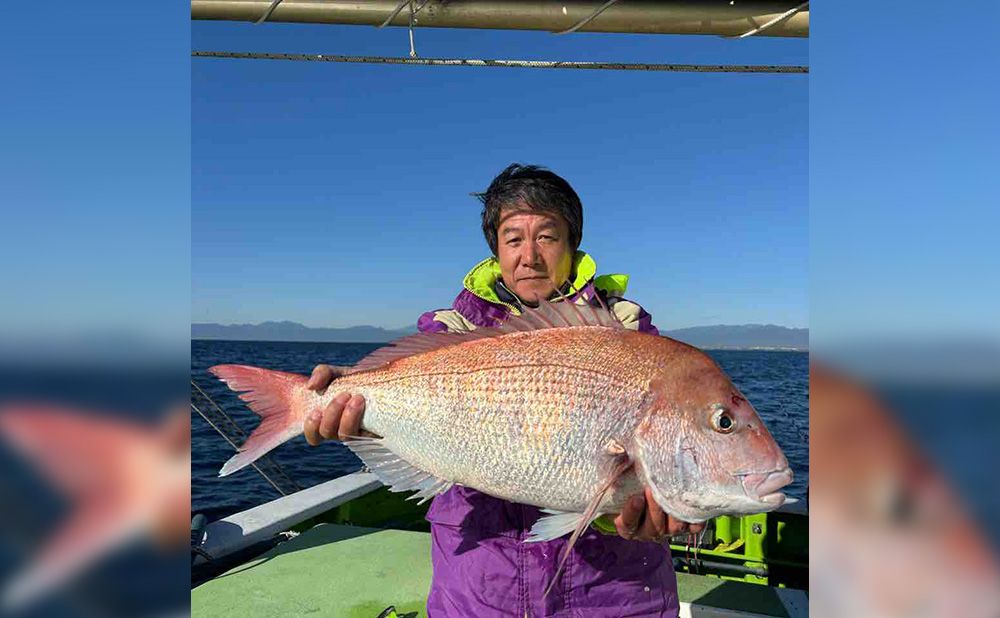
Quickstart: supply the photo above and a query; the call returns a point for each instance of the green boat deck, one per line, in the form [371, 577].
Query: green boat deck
[356, 572]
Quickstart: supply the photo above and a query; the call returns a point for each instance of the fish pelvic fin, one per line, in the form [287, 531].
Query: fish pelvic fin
[547, 315]
[622, 465]
[554, 525]
[396, 472]
[273, 396]
[560, 523]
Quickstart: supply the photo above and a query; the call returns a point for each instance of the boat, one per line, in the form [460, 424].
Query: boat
[348, 547]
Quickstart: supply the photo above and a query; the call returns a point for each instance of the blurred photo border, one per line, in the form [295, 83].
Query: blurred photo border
[903, 216]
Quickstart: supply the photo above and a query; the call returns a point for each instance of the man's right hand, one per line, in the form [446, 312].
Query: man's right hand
[342, 416]
[642, 519]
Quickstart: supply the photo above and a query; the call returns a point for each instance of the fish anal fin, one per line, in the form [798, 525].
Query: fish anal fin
[394, 471]
[439, 486]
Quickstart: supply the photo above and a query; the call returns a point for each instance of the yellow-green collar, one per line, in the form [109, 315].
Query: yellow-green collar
[483, 277]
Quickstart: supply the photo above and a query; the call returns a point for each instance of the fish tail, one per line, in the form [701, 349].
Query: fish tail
[81, 454]
[276, 397]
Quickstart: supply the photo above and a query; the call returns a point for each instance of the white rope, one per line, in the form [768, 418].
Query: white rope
[586, 20]
[267, 13]
[767, 25]
[412, 20]
[413, 49]
[395, 11]
[521, 64]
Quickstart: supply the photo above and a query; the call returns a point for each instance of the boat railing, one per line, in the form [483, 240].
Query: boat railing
[263, 522]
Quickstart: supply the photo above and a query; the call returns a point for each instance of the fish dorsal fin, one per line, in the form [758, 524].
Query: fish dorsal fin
[547, 315]
[566, 314]
[419, 344]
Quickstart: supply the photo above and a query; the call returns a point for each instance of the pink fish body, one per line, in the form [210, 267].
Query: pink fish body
[561, 408]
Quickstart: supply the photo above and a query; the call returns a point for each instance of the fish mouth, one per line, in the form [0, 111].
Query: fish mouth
[764, 486]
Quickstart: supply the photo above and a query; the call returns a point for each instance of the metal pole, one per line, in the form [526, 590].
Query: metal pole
[699, 565]
[714, 17]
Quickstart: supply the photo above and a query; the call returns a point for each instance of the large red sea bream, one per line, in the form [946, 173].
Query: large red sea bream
[561, 407]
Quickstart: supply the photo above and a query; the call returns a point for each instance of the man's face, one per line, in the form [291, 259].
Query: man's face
[534, 253]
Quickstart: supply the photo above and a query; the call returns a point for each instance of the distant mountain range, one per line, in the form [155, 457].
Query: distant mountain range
[746, 336]
[293, 331]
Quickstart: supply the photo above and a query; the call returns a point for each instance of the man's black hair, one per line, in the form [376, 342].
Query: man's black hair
[530, 188]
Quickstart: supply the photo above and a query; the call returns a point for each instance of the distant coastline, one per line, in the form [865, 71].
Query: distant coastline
[743, 337]
[750, 349]
[762, 337]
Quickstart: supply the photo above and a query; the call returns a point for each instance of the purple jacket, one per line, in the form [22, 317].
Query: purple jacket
[483, 567]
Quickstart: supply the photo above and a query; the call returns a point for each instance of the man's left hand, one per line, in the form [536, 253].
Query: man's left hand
[642, 519]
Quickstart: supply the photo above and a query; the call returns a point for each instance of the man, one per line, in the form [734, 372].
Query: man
[533, 222]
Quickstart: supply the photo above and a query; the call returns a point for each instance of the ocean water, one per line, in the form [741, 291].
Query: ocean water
[776, 383]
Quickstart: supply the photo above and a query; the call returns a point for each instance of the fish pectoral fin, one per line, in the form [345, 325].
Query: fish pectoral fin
[399, 474]
[622, 465]
[555, 524]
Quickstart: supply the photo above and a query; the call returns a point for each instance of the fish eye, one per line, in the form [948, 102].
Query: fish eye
[722, 421]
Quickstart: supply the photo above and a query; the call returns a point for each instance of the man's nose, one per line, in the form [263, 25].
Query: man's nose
[529, 253]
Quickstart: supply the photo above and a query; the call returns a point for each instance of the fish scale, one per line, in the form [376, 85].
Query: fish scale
[522, 427]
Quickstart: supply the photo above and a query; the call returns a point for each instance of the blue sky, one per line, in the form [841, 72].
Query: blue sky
[336, 195]
[903, 174]
[94, 172]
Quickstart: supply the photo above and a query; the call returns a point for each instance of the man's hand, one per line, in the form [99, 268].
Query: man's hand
[341, 418]
[642, 519]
